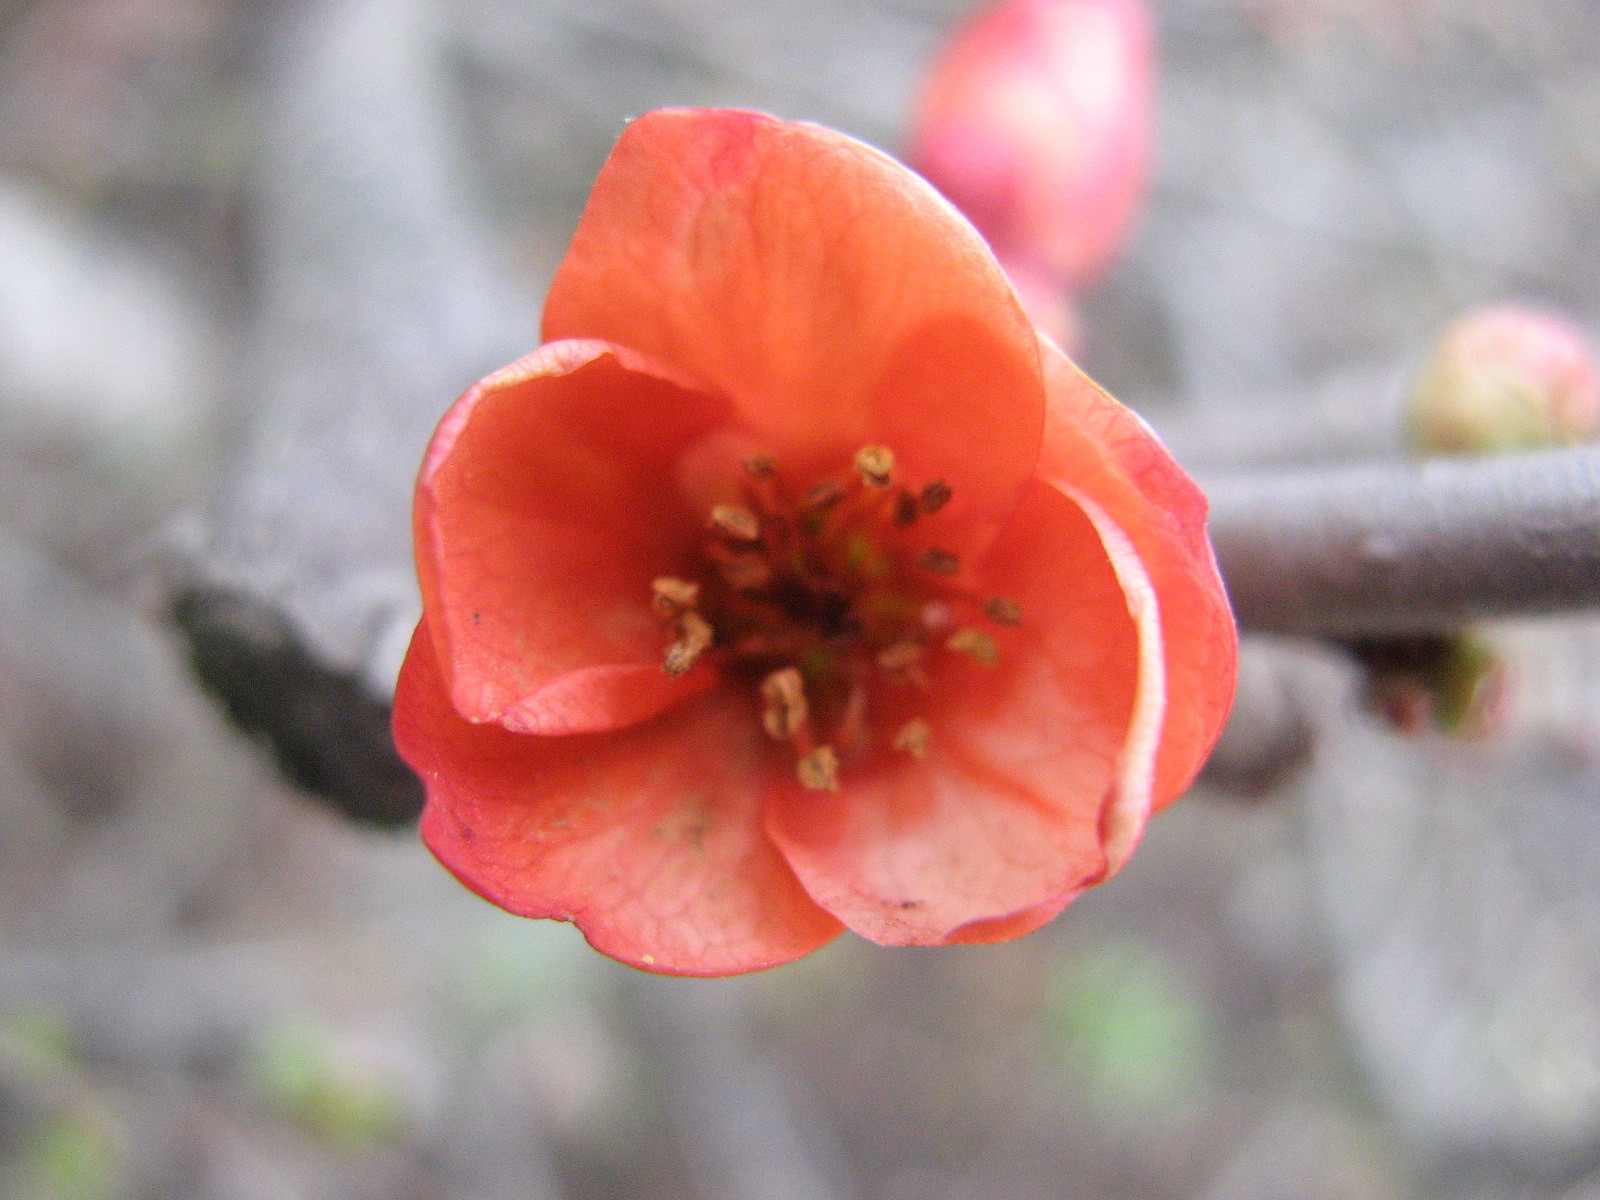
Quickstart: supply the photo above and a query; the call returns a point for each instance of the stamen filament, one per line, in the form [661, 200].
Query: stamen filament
[852, 731]
[746, 572]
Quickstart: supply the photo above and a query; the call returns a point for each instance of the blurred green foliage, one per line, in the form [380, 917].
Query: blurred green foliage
[1129, 1029]
[327, 1087]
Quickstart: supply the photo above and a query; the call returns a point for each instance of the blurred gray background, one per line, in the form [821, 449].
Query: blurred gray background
[1379, 979]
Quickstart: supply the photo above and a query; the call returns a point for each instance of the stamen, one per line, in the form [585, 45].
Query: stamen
[906, 509]
[824, 495]
[976, 643]
[746, 572]
[694, 638]
[785, 711]
[852, 729]
[814, 598]
[900, 658]
[935, 496]
[1002, 611]
[819, 770]
[913, 738]
[875, 463]
[736, 521]
[672, 595]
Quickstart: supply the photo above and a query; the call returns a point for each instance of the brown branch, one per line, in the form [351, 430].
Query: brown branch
[378, 305]
[1407, 548]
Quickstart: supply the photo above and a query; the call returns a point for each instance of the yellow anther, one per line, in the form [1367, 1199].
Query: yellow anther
[935, 496]
[976, 643]
[760, 466]
[694, 638]
[784, 711]
[736, 521]
[1002, 611]
[913, 738]
[672, 596]
[876, 464]
[819, 770]
[939, 562]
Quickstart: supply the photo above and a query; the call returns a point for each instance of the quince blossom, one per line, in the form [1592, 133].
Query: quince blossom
[795, 583]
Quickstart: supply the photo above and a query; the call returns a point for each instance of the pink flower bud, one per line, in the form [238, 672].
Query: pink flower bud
[1034, 122]
[1505, 377]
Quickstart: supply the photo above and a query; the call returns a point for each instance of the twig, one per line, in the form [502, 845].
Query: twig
[1397, 548]
[379, 303]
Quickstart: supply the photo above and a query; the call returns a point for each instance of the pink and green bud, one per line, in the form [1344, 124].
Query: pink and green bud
[1505, 378]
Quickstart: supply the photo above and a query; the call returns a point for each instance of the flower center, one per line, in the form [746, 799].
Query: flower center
[815, 599]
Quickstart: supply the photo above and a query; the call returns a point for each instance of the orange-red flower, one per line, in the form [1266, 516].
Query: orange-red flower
[794, 583]
[1034, 121]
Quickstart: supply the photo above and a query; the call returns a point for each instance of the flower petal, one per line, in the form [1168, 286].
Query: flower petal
[1008, 814]
[648, 838]
[1104, 450]
[545, 507]
[1132, 798]
[1130, 803]
[831, 294]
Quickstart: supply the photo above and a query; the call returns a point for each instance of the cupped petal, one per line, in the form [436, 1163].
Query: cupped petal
[1132, 797]
[1015, 807]
[1131, 800]
[830, 293]
[648, 838]
[1102, 449]
[545, 507]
